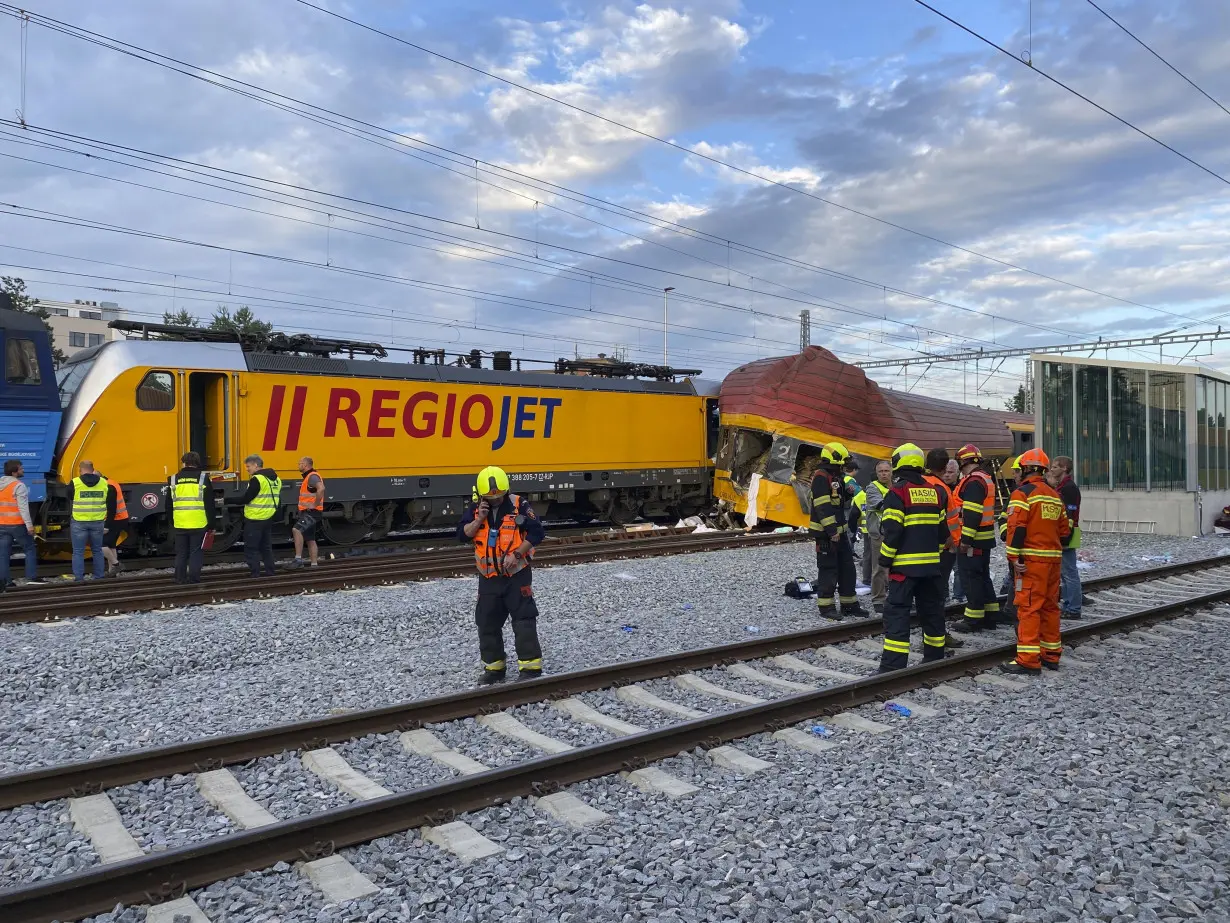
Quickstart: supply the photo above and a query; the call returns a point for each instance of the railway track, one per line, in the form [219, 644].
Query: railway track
[138, 593]
[135, 564]
[833, 675]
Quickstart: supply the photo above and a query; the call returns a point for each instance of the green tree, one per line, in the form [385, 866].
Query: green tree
[243, 321]
[180, 318]
[1021, 402]
[16, 289]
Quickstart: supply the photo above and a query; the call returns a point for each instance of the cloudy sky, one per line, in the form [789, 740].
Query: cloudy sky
[343, 183]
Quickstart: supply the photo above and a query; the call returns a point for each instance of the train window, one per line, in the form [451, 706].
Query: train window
[156, 392]
[21, 363]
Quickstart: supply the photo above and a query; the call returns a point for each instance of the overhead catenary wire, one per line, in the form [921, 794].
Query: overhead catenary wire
[1063, 86]
[218, 297]
[712, 159]
[647, 288]
[812, 300]
[444, 288]
[1132, 35]
[460, 158]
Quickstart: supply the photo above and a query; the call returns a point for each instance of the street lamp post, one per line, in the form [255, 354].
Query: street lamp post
[665, 311]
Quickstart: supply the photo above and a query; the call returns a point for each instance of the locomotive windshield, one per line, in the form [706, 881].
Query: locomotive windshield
[69, 378]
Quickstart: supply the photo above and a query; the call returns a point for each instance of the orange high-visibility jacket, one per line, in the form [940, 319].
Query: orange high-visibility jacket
[308, 500]
[491, 546]
[1037, 522]
[976, 497]
[951, 504]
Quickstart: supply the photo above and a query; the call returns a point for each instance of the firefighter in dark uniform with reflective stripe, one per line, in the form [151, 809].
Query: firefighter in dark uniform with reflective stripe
[914, 527]
[505, 531]
[830, 503]
[976, 496]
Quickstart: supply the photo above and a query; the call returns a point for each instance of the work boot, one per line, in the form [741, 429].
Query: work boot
[491, 677]
[524, 675]
[1072, 616]
[968, 626]
[1019, 669]
[855, 612]
[829, 612]
[1051, 664]
[951, 642]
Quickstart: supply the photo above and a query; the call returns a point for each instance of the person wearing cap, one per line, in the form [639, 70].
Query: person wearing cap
[504, 531]
[913, 529]
[1038, 529]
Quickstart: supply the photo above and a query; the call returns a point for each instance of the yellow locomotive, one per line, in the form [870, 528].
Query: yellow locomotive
[397, 442]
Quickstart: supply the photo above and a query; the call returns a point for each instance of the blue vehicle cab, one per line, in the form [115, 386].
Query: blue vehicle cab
[29, 397]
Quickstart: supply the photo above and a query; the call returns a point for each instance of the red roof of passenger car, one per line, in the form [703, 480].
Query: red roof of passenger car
[817, 390]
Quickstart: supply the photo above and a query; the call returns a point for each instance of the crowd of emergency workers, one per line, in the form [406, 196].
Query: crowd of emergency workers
[99, 519]
[930, 518]
[925, 519]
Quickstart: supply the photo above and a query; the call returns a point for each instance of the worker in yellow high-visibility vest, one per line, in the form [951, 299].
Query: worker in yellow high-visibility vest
[91, 504]
[192, 506]
[260, 503]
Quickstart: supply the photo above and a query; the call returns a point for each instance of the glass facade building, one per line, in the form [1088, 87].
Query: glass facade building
[1131, 426]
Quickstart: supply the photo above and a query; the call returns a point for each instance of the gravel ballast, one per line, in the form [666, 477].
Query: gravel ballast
[1094, 794]
[90, 688]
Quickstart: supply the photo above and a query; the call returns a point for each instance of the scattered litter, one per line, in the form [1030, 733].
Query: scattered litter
[894, 709]
[1157, 558]
[820, 730]
[687, 605]
[627, 628]
[1085, 565]
[692, 521]
[624, 577]
[862, 591]
[1224, 551]
[782, 530]
[752, 629]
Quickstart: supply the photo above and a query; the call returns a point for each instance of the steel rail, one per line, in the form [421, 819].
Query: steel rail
[150, 594]
[445, 548]
[169, 874]
[86, 777]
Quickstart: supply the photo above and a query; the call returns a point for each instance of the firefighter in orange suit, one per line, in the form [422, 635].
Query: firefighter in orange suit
[830, 512]
[914, 529]
[975, 541]
[1037, 531]
[504, 531]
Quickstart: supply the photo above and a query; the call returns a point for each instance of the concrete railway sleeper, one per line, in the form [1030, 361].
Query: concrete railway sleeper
[97, 775]
[165, 878]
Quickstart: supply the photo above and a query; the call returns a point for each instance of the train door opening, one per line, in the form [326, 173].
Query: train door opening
[209, 421]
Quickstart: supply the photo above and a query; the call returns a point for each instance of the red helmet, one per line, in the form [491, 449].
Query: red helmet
[968, 454]
[1034, 458]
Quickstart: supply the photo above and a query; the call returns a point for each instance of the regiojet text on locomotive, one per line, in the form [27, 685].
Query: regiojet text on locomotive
[420, 414]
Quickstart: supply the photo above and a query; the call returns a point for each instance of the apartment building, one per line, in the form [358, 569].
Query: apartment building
[79, 324]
